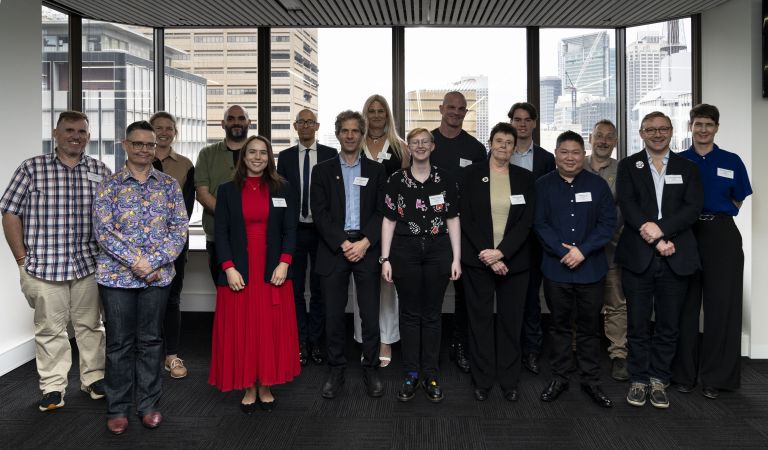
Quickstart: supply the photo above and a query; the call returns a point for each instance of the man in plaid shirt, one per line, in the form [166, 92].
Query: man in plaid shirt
[47, 222]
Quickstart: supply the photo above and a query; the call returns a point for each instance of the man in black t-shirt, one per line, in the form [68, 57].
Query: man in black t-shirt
[454, 150]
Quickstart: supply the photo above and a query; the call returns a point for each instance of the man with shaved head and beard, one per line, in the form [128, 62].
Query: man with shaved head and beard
[215, 166]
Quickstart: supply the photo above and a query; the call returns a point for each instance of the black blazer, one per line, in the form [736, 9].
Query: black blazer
[681, 205]
[288, 166]
[476, 223]
[231, 241]
[328, 204]
[543, 162]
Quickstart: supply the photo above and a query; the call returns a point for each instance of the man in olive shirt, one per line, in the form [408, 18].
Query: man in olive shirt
[215, 165]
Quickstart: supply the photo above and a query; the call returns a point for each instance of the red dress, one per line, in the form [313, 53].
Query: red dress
[255, 338]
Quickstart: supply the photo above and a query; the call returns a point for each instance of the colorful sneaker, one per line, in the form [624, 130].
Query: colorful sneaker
[95, 390]
[51, 400]
[433, 390]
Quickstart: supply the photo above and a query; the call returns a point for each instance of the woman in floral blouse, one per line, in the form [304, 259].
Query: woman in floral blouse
[420, 251]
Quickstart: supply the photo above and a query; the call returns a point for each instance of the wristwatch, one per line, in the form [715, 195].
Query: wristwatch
[383, 259]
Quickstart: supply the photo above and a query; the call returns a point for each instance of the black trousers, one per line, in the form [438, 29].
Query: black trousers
[310, 324]
[714, 357]
[532, 334]
[582, 302]
[172, 320]
[213, 265]
[494, 343]
[460, 318]
[421, 269]
[658, 291]
[334, 290]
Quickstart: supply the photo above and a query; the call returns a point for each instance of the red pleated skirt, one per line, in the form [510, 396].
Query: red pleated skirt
[255, 339]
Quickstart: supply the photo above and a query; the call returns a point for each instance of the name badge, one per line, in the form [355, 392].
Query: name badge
[97, 178]
[435, 200]
[464, 162]
[582, 197]
[725, 173]
[517, 199]
[384, 156]
[360, 181]
[278, 202]
[673, 179]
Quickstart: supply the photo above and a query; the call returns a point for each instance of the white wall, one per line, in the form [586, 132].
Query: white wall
[732, 80]
[20, 119]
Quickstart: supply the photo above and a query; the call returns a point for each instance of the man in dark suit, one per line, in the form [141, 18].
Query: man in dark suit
[346, 202]
[295, 165]
[660, 197]
[528, 155]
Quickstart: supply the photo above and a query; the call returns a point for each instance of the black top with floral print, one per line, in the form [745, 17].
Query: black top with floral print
[421, 209]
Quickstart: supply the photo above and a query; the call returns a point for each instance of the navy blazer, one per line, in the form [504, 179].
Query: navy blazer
[328, 204]
[543, 162]
[288, 165]
[231, 240]
[477, 224]
[681, 205]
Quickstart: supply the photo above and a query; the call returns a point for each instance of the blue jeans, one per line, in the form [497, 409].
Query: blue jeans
[133, 320]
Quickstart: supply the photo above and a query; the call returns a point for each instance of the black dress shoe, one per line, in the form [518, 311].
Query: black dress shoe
[268, 406]
[408, 388]
[685, 388]
[317, 355]
[333, 384]
[710, 392]
[373, 384]
[511, 395]
[531, 362]
[597, 395]
[303, 355]
[553, 391]
[481, 394]
[458, 354]
[248, 408]
[433, 390]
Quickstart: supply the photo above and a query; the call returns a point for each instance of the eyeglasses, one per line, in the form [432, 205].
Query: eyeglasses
[423, 142]
[138, 145]
[660, 130]
[305, 123]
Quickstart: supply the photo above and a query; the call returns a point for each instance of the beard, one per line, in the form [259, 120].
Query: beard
[236, 133]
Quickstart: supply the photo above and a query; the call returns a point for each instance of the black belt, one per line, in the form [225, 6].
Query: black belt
[306, 225]
[354, 235]
[711, 217]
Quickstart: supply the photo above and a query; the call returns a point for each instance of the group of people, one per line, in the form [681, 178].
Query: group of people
[649, 236]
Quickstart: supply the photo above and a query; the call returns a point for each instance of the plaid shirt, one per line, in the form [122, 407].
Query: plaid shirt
[54, 203]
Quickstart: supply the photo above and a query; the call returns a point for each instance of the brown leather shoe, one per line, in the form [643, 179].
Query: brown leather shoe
[117, 425]
[152, 420]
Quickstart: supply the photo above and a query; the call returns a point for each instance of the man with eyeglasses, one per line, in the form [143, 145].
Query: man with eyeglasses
[715, 360]
[295, 164]
[215, 166]
[660, 197]
[523, 116]
[47, 223]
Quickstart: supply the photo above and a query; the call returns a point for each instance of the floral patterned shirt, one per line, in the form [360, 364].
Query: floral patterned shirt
[421, 209]
[133, 220]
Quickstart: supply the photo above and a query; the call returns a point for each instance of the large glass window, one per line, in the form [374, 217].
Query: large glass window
[55, 71]
[486, 65]
[578, 81]
[659, 78]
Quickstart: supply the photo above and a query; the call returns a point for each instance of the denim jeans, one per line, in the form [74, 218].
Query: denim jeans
[135, 351]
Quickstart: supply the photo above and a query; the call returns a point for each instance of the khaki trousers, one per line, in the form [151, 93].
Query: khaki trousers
[56, 303]
[615, 310]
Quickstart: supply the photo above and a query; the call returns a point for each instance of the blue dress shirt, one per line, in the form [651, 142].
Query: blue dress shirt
[352, 193]
[724, 178]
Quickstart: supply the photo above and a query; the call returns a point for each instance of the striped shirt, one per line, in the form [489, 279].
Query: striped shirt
[54, 203]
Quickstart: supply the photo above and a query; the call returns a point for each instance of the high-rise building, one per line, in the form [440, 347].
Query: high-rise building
[550, 89]
[584, 64]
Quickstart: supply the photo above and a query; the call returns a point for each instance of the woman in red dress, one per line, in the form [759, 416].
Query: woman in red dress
[255, 340]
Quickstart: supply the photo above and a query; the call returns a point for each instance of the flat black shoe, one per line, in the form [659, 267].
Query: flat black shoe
[597, 395]
[531, 362]
[433, 390]
[248, 408]
[553, 390]
[481, 395]
[268, 406]
[710, 392]
[373, 385]
[458, 354]
[511, 395]
[333, 383]
[685, 388]
[408, 388]
[303, 355]
[316, 354]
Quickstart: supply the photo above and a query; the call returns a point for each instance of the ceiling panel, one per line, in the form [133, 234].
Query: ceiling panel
[350, 13]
